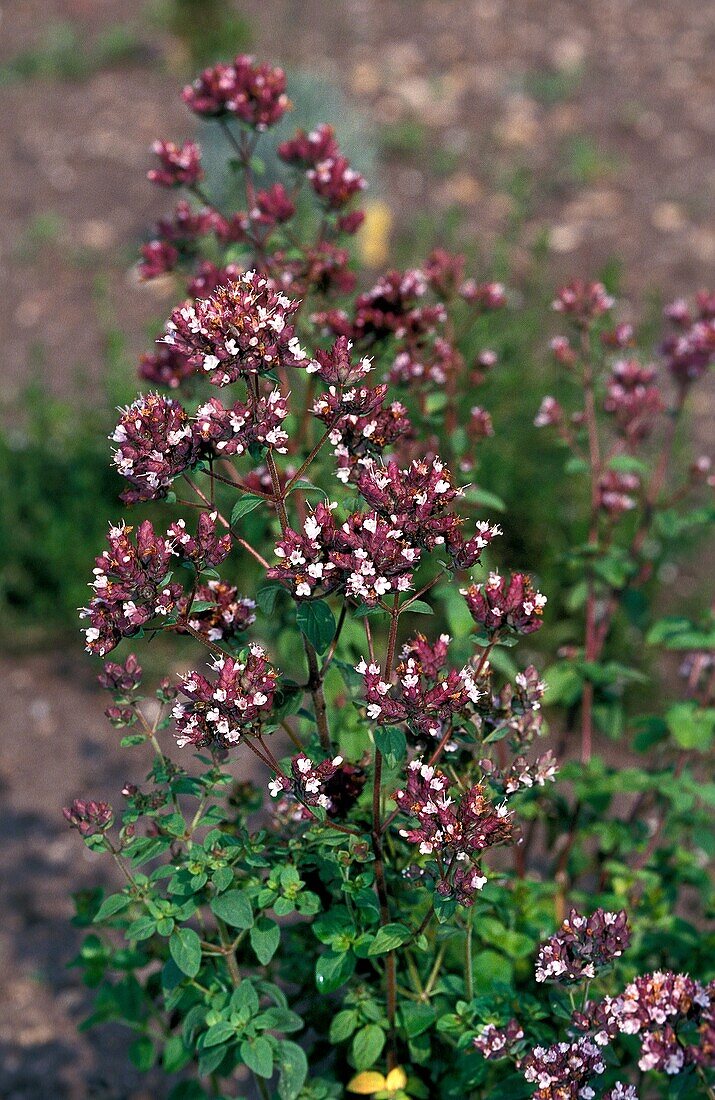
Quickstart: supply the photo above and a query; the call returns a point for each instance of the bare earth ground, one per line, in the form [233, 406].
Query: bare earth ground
[497, 86]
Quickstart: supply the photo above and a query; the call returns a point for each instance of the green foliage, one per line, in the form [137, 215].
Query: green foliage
[354, 933]
[64, 54]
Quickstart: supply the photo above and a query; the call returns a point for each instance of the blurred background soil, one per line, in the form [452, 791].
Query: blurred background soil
[585, 129]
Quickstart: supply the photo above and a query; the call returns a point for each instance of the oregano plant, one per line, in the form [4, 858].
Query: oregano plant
[346, 865]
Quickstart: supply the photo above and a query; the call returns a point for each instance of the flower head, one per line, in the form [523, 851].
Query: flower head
[427, 695]
[179, 165]
[365, 557]
[564, 1071]
[130, 586]
[457, 832]
[242, 329]
[418, 500]
[217, 611]
[232, 431]
[307, 781]
[206, 549]
[583, 946]
[254, 93]
[582, 301]
[237, 703]
[89, 817]
[500, 606]
[633, 398]
[155, 443]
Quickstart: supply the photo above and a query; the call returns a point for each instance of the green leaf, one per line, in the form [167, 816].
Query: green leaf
[485, 499]
[416, 1018]
[142, 1053]
[176, 1054]
[234, 908]
[388, 938]
[692, 727]
[185, 948]
[293, 1069]
[266, 597]
[243, 506]
[278, 1019]
[343, 1025]
[265, 937]
[419, 607]
[317, 622]
[111, 905]
[367, 1046]
[258, 1056]
[392, 743]
[333, 969]
[220, 1032]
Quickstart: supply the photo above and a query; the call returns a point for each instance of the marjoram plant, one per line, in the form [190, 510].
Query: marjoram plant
[418, 908]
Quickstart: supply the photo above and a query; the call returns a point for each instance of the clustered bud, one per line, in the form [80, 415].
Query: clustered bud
[89, 817]
[583, 302]
[236, 704]
[455, 832]
[365, 557]
[504, 607]
[242, 329]
[426, 695]
[690, 349]
[179, 165]
[255, 94]
[633, 398]
[583, 946]
[417, 500]
[307, 781]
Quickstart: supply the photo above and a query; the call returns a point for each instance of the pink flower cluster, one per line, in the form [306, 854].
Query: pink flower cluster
[504, 607]
[130, 586]
[232, 431]
[454, 832]
[206, 549]
[365, 557]
[617, 491]
[518, 706]
[426, 695]
[583, 302]
[179, 165]
[155, 443]
[418, 500]
[564, 1071]
[255, 94]
[242, 329]
[655, 1007]
[237, 703]
[217, 611]
[690, 349]
[633, 398]
[521, 775]
[89, 817]
[329, 173]
[308, 782]
[583, 946]
[498, 1042]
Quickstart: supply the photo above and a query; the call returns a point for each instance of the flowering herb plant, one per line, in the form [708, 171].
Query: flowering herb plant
[351, 885]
